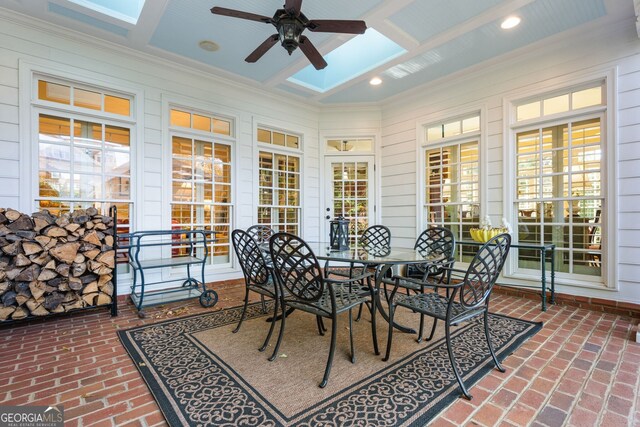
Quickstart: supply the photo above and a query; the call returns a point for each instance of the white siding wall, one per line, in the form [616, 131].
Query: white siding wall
[159, 83]
[564, 60]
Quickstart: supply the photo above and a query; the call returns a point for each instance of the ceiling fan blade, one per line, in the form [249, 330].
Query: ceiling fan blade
[239, 14]
[337, 26]
[312, 53]
[262, 49]
[293, 6]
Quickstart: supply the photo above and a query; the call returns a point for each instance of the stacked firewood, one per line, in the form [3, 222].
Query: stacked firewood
[52, 264]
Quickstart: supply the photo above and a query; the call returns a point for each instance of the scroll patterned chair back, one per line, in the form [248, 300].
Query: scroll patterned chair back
[483, 272]
[251, 258]
[297, 267]
[257, 276]
[261, 233]
[434, 240]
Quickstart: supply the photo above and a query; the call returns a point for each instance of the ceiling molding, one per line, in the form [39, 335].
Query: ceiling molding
[36, 24]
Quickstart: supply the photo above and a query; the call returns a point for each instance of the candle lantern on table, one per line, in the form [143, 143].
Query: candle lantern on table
[339, 233]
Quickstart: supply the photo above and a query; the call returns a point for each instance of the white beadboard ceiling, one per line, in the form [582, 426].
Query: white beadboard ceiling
[440, 37]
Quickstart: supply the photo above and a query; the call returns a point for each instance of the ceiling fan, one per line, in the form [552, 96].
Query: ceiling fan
[290, 23]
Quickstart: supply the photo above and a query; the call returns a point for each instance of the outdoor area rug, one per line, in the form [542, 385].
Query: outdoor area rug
[200, 373]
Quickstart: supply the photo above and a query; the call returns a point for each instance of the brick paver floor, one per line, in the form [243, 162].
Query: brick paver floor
[581, 369]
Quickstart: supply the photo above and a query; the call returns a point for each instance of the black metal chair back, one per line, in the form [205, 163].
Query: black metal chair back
[296, 266]
[375, 236]
[434, 240]
[251, 258]
[261, 233]
[484, 270]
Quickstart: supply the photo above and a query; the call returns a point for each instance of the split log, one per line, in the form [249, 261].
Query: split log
[107, 288]
[19, 313]
[46, 242]
[75, 283]
[30, 248]
[92, 237]
[46, 275]
[40, 311]
[37, 289]
[51, 265]
[12, 215]
[4, 287]
[88, 278]
[72, 228]
[21, 299]
[78, 270]
[92, 253]
[63, 269]
[56, 232]
[90, 288]
[22, 261]
[9, 298]
[79, 259]
[89, 299]
[52, 301]
[107, 258]
[6, 312]
[74, 305]
[104, 279]
[12, 249]
[103, 299]
[28, 274]
[41, 258]
[66, 252]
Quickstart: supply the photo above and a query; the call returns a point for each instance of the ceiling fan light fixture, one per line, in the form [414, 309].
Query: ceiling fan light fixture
[289, 31]
[375, 81]
[510, 22]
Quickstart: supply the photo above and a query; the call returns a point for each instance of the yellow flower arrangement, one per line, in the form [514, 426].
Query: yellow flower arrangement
[486, 232]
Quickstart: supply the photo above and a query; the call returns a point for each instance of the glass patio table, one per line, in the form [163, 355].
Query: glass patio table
[382, 258]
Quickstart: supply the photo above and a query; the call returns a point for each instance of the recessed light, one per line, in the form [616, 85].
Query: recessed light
[510, 22]
[375, 81]
[208, 45]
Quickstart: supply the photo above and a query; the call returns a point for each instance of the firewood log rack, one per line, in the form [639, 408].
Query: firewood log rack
[177, 248]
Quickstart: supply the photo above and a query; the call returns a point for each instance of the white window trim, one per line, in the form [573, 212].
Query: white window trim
[609, 130]
[291, 129]
[422, 145]
[28, 71]
[377, 173]
[169, 102]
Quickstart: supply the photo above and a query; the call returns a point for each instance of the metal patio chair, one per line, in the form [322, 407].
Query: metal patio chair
[466, 300]
[305, 288]
[433, 240]
[258, 276]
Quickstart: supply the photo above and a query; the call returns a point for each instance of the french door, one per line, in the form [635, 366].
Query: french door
[350, 192]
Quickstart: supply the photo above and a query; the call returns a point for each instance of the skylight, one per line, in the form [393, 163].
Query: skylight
[124, 10]
[352, 59]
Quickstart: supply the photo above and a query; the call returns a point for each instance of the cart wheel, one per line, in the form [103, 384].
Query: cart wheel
[208, 298]
[142, 314]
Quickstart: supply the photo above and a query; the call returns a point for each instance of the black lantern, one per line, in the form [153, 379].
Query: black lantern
[339, 234]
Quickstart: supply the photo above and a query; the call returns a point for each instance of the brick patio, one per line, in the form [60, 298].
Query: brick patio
[581, 369]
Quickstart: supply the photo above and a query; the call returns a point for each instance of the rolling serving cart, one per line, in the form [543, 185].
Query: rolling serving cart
[157, 249]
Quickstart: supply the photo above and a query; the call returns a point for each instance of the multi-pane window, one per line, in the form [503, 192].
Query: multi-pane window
[560, 103]
[351, 195]
[452, 188]
[279, 191]
[83, 161]
[201, 196]
[280, 138]
[559, 194]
